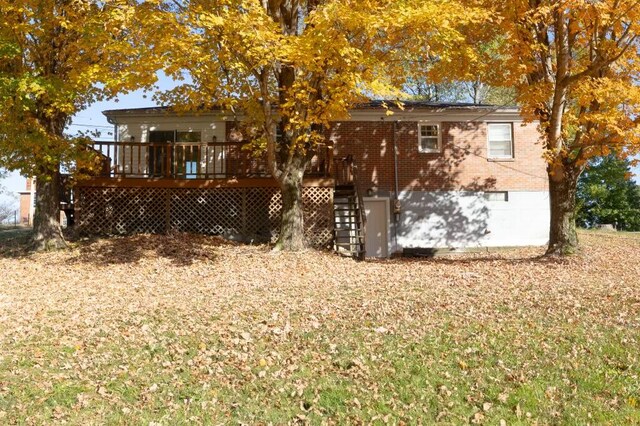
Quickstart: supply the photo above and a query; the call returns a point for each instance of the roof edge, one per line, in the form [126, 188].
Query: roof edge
[364, 106]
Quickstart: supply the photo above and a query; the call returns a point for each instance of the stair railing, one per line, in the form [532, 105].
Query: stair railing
[346, 173]
[343, 168]
[361, 212]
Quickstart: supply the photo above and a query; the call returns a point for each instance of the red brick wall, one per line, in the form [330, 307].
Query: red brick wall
[25, 207]
[462, 164]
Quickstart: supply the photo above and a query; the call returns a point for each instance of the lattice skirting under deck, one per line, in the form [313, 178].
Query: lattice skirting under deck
[246, 214]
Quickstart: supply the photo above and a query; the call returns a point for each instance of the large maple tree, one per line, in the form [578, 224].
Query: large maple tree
[575, 65]
[56, 57]
[298, 65]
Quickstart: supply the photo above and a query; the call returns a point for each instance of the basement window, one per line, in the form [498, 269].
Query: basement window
[496, 196]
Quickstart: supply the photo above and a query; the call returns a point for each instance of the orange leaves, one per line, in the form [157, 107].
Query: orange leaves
[337, 52]
[163, 328]
[64, 56]
[573, 62]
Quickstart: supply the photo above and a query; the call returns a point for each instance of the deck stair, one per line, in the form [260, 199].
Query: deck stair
[349, 224]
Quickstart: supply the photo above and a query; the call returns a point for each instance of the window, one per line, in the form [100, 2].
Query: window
[500, 140]
[496, 196]
[429, 138]
[192, 137]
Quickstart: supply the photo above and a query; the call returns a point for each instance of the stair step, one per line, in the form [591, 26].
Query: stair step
[348, 231]
[349, 250]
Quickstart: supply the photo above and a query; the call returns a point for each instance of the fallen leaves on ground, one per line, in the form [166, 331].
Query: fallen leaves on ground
[185, 328]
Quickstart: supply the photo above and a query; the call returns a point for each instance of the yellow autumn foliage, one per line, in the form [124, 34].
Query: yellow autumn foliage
[575, 65]
[57, 57]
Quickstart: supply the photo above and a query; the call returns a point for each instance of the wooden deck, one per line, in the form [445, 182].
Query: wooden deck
[257, 182]
[215, 161]
[217, 189]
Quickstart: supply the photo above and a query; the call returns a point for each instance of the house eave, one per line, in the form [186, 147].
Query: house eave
[370, 111]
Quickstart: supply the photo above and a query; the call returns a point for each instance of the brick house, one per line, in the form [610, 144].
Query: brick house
[430, 176]
[27, 202]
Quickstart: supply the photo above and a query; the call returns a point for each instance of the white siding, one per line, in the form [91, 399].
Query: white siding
[139, 128]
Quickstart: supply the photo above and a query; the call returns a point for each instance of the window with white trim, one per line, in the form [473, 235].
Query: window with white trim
[429, 139]
[500, 140]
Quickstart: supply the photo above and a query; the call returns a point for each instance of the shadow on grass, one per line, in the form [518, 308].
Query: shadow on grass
[181, 249]
[184, 249]
[14, 241]
[463, 260]
[513, 256]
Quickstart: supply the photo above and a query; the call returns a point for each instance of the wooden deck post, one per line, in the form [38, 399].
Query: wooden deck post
[329, 164]
[167, 160]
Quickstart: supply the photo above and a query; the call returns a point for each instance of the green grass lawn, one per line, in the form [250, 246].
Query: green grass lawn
[183, 329]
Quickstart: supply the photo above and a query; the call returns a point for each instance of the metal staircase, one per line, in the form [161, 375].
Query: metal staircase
[349, 220]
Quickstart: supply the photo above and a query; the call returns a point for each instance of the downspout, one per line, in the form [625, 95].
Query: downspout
[396, 202]
[115, 128]
[110, 120]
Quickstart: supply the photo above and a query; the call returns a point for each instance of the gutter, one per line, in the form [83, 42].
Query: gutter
[396, 202]
[110, 120]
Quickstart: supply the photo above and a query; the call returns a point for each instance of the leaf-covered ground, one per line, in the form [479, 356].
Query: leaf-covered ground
[181, 329]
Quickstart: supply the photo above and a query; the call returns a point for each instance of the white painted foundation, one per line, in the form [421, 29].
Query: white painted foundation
[453, 219]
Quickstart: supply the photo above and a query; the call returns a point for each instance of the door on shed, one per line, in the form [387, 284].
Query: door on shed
[377, 232]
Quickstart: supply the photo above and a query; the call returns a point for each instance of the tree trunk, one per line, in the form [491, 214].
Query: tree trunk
[563, 239]
[291, 236]
[47, 234]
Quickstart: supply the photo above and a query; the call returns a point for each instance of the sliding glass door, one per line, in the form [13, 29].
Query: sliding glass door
[174, 153]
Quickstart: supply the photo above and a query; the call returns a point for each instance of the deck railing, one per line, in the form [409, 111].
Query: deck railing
[214, 160]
